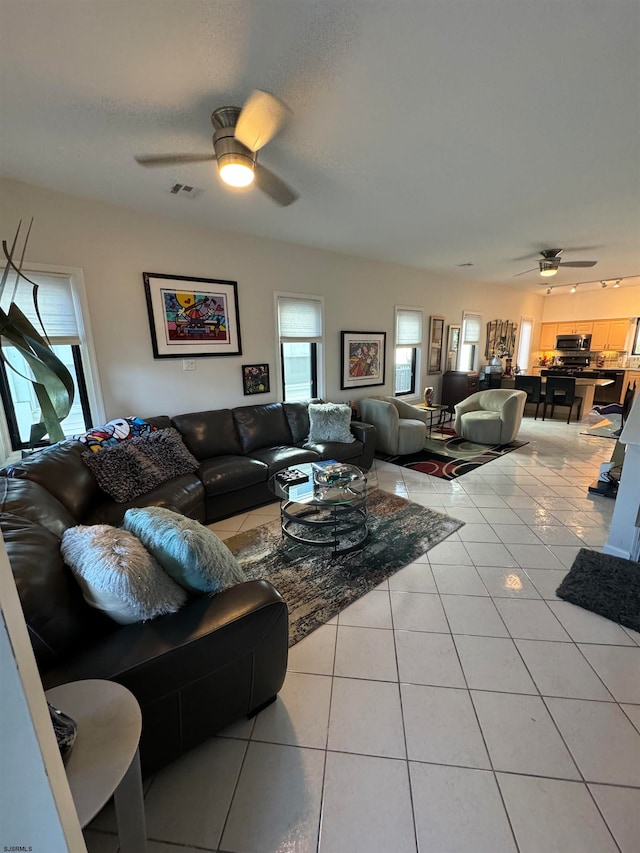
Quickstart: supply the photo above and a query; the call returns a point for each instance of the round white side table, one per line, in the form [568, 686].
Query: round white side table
[104, 759]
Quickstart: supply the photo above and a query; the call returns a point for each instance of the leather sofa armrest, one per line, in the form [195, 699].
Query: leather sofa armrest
[242, 610]
[366, 433]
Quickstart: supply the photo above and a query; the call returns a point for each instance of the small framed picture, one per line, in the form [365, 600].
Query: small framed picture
[255, 378]
[363, 355]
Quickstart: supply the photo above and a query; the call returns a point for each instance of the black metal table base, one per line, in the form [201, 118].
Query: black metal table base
[331, 523]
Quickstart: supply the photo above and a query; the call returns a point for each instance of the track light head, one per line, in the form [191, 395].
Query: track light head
[603, 284]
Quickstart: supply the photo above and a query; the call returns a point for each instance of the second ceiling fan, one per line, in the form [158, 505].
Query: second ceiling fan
[551, 261]
[239, 135]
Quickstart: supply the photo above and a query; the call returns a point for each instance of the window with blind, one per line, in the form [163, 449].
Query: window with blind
[300, 333]
[408, 350]
[63, 326]
[470, 345]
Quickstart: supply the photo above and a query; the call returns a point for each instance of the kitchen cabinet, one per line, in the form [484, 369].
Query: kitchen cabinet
[548, 335]
[575, 327]
[609, 334]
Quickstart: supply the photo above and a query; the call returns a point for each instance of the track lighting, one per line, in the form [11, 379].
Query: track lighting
[604, 284]
[617, 284]
[574, 288]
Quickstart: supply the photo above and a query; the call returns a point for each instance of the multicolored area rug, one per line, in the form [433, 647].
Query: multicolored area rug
[314, 585]
[448, 456]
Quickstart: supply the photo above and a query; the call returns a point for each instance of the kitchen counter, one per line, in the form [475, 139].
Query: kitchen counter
[587, 386]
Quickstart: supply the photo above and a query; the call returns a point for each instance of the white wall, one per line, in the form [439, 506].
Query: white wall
[114, 246]
[599, 304]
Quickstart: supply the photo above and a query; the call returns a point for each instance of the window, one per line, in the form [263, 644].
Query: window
[60, 297]
[408, 351]
[300, 337]
[524, 343]
[470, 346]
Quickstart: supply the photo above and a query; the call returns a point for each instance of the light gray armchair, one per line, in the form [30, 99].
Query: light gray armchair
[490, 417]
[400, 428]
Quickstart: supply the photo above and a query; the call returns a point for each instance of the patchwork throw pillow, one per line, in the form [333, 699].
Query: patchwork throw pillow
[134, 467]
[113, 432]
[330, 422]
[188, 551]
[118, 575]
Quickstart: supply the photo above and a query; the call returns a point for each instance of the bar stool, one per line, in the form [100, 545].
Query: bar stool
[532, 386]
[560, 391]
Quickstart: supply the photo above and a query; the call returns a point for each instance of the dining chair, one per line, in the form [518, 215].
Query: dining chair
[560, 391]
[532, 386]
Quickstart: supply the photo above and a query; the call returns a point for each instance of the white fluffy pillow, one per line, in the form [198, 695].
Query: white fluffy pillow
[118, 575]
[330, 422]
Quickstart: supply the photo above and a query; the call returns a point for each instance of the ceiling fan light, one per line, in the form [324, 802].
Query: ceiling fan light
[236, 174]
[548, 268]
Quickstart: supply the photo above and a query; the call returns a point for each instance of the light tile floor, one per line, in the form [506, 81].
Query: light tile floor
[460, 706]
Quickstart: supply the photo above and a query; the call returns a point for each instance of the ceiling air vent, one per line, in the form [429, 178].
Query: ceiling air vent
[185, 191]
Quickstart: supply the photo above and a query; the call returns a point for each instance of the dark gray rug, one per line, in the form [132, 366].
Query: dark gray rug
[606, 585]
[314, 585]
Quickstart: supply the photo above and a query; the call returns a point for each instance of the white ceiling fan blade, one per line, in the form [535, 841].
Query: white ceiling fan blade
[274, 186]
[169, 159]
[578, 263]
[260, 119]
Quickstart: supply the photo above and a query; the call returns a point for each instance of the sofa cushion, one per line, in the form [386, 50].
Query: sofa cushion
[208, 434]
[33, 503]
[58, 618]
[183, 494]
[297, 415]
[188, 551]
[277, 458]
[230, 473]
[132, 468]
[60, 470]
[262, 426]
[330, 422]
[117, 574]
[337, 450]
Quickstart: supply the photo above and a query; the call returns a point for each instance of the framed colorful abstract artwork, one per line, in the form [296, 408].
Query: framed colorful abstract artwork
[362, 360]
[255, 378]
[192, 317]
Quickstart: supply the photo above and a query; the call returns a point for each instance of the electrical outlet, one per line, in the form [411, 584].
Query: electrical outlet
[188, 364]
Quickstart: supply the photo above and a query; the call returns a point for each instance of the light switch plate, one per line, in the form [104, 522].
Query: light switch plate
[188, 364]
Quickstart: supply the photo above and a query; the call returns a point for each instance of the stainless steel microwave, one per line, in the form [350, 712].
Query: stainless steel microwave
[574, 343]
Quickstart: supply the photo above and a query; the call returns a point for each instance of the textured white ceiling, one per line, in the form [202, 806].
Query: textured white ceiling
[429, 133]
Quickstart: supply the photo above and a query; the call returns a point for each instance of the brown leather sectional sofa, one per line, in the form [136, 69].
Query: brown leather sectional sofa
[215, 660]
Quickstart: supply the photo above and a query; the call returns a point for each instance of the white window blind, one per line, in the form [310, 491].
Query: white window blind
[472, 328]
[55, 303]
[408, 327]
[299, 319]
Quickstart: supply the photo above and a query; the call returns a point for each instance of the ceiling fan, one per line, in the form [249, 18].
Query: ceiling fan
[551, 262]
[239, 135]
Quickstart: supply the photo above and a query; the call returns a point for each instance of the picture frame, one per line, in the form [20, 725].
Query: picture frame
[362, 360]
[436, 341]
[255, 379]
[192, 317]
[453, 345]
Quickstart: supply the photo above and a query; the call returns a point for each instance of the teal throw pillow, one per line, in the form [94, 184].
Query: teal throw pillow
[188, 551]
[330, 422]
[118, 575]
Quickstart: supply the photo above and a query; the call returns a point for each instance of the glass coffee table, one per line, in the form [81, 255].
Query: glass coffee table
[325, 514]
